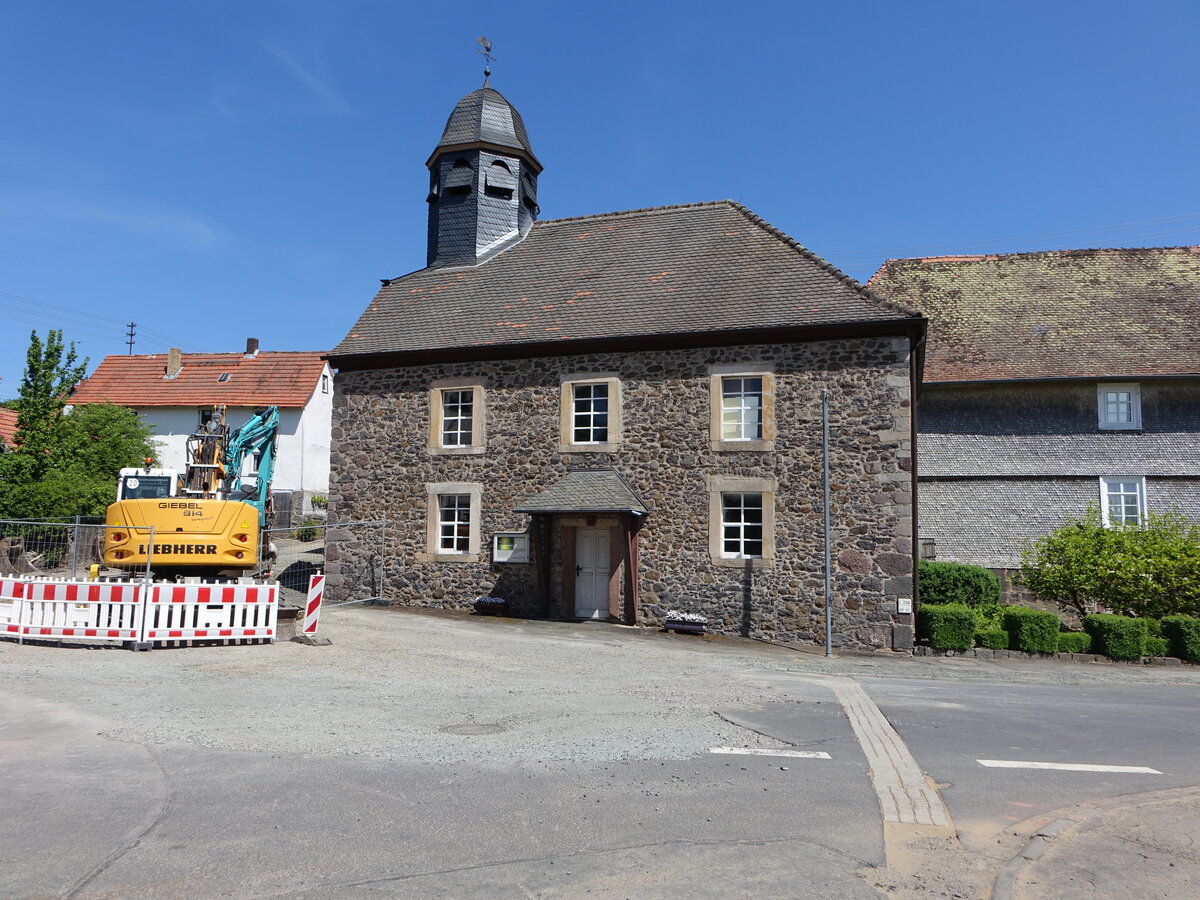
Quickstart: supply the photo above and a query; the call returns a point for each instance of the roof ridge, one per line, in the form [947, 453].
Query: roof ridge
[865, 292]
[635, 212]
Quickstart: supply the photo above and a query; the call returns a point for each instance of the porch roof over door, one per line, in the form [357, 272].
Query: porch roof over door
[587, 491]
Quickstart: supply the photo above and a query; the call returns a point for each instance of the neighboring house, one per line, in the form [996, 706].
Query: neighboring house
[8, 428]
[1052, 380]
[175, 392]
[611, 416]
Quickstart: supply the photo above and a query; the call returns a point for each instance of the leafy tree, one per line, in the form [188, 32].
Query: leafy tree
[63, 464]
[1150, 570]
[51, 373]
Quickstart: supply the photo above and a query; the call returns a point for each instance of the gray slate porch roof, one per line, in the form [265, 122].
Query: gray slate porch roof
[587, 491]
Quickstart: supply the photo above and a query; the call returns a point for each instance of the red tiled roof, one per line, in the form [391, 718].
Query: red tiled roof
[1107, 313]
[268, 379]
[8, 425]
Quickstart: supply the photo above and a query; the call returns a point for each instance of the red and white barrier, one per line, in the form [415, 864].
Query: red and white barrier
[137, 612]
[184, 612]
[74, 609]
[12, 596]
[312, 608]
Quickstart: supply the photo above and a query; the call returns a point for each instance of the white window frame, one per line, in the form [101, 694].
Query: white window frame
[1108, 481]
[437, 409]
[566, 437]
[718, 374]
[1135, 401]
[735, 523]
[433, 521]
[718, 487]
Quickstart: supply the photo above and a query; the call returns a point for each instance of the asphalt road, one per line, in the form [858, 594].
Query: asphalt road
[445, 756]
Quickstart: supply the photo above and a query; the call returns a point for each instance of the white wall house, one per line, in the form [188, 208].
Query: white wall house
[172, 392]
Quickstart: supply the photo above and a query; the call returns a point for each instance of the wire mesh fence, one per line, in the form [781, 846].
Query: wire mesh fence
[350, 553]
[62, 548]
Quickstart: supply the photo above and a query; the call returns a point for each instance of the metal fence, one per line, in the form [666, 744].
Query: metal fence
[62, 548]
[350, 553]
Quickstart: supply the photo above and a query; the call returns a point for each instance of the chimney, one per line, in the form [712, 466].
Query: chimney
[251, 348]
[174, 362]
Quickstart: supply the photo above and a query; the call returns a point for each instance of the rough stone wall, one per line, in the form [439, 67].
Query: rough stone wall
[381, 464]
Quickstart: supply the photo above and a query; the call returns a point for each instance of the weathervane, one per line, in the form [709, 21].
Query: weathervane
[485, 50]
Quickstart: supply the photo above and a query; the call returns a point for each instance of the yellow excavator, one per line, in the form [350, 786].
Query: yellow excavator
[207, 522]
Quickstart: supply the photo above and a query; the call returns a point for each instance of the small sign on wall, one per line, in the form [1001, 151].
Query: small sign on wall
[904, 605]
[510, 546]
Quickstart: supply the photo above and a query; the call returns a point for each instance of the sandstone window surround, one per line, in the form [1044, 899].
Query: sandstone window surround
[734, 535]
[452, 522]
[457, 417]
[1123, 499]
[590, 417]
[1119, 406]
[741, 407]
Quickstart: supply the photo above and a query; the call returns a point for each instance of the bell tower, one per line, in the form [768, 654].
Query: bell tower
[482, 182]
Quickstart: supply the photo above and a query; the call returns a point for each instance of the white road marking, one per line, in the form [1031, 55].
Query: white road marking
[791, 754]
[903, 792]
[1065, 767]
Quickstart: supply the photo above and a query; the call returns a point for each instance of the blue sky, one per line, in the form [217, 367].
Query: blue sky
[215, 170]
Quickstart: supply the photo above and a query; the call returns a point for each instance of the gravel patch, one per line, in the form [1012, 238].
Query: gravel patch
[451, 688]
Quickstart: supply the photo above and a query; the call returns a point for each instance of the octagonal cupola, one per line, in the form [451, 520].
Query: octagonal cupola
[482, 181]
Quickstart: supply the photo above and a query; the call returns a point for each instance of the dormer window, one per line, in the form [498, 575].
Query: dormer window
[1119, 406]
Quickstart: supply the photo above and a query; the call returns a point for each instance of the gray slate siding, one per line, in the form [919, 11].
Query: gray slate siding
[1050, 428]
[381, 464]
[1002, 463]
[986, 521]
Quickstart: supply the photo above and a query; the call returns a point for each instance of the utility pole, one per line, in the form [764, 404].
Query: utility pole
[132, 326]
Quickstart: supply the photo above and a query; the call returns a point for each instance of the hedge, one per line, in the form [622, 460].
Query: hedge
[1120, 637]
[1183, 636]
[1031, 630]
[1156, 646]
[947, 626]
[950, 582]
[1074, 642]
[992, 639]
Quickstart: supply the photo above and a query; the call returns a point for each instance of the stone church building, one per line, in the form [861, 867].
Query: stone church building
[612, 416]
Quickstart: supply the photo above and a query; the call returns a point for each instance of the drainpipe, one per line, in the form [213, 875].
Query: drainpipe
[825, 504]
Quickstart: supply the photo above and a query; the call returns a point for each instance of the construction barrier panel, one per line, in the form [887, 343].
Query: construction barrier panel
[12, 593]
[312, 607]
[211, 611]
[137, 612]
[75, 609]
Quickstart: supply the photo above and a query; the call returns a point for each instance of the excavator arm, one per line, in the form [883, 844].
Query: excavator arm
[256, 436]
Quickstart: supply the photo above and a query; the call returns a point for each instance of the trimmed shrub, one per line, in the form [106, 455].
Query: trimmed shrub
[947, 626]
[1118, 637]
[950, 582]
[1183, 636]
[1153, 627]
[992, 639]
[1074, 642]
[1031, 630]
[1156, 646]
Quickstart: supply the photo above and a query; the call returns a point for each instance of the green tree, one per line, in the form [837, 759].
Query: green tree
[65, 464]
[1150, 570]
[51, 372]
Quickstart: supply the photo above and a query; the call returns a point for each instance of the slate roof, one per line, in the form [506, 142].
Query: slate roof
[484, 116]
[695, 269]
[284, 379]
[1060, 314]
[590, 490]
[8, 425]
